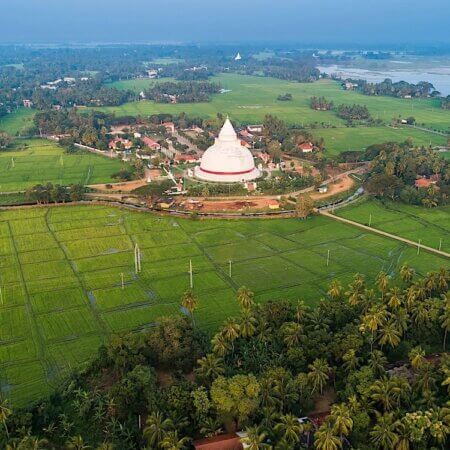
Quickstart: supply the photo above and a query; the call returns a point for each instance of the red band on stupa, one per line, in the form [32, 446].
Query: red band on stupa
[226, 173]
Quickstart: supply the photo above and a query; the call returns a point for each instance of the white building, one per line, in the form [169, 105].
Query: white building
[227, 160]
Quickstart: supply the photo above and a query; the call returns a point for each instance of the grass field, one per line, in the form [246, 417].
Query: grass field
[251, 98]
[60, 276]
[17, 122]
[45, 161]
[430, 226]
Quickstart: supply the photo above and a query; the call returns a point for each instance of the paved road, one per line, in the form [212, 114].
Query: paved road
[383, 233]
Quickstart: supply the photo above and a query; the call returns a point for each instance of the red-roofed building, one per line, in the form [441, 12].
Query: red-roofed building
[306, 147]
[220, 442]
[150, 143]
[184, 158]
[114, 143]
[265, 157]
[169, 126]
[425, 182]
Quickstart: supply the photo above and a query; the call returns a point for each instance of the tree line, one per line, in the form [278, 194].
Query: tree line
[182, 91]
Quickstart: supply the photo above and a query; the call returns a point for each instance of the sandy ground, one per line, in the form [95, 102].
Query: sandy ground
[126, 186]
[237, 205]
[344, 184]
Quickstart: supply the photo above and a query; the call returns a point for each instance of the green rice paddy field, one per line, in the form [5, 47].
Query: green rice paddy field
[60, 276]
[251, 98]
[431, 227]
[45, 161]
[17, 122]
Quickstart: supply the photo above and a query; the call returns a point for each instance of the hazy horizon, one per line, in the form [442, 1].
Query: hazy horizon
[316, 22]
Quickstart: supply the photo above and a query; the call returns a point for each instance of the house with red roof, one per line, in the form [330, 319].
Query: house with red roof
[425, 182]
[169, 126]
[184, 158]
[125, 143]
[306, 147]
[151, 144]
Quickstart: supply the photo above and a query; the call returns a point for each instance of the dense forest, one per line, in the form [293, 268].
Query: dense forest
[363, 348]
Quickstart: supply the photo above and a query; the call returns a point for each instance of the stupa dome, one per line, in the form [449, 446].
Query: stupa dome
[227, 160]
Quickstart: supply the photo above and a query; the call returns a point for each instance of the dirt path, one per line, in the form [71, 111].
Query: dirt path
[389, 235]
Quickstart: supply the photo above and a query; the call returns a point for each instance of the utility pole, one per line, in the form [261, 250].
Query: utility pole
[137, 259]
[328, 258]
[229, 271]
[440, 244]
[418, 246]
[370, 219]
[121, 277]
[190, 274]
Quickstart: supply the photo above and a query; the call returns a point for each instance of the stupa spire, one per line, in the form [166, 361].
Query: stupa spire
[227, 133]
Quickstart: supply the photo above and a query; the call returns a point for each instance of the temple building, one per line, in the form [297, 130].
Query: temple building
[227, 161]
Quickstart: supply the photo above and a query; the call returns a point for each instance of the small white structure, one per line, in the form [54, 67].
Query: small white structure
[227, 161]
[238, 57]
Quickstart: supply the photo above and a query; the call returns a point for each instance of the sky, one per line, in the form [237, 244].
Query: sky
[218, 21]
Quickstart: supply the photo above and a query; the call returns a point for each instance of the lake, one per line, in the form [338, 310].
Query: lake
[438, 76]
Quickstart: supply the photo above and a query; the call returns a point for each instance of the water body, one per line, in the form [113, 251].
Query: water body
[438, 76]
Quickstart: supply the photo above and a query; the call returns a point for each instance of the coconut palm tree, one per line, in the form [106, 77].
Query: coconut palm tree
[247, 324]
[390, 334]
[351, 360]
[210, 367]
[384, 434]
[156, 428]
[442, 280]
[5, 412]
[220, 345]
[172, 441]
[189, 302]
[289, 428]
[382, 283]
[445, 318]
[326, 439]
[245, 297]
[292, 333]
[76, 443]
[255, 439]
[372, 321]
[230, 330]
[395, 298]
[385, 392]
[417, 358]
[318, 375]
[406, 274]
[341, 419]
[335, 290]
[377, 362]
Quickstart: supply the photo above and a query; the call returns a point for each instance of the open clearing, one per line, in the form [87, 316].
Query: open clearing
[60, 275]
[45, 161]
[251, 98]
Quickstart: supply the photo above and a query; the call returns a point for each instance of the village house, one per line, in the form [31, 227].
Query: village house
[425, 182]
[265, 157]
[250, 186]
[124, 143]
[152, 74]
[306, 147]
[221, 442]
[151, 144]
[185, 158]
[169, 126]
[273, 204]
[255, 129]
[27, 103]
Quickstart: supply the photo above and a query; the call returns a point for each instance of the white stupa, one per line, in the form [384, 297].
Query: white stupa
[238, 57]
[227, 160]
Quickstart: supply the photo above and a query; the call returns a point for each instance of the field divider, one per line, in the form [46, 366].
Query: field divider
[389, 235]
